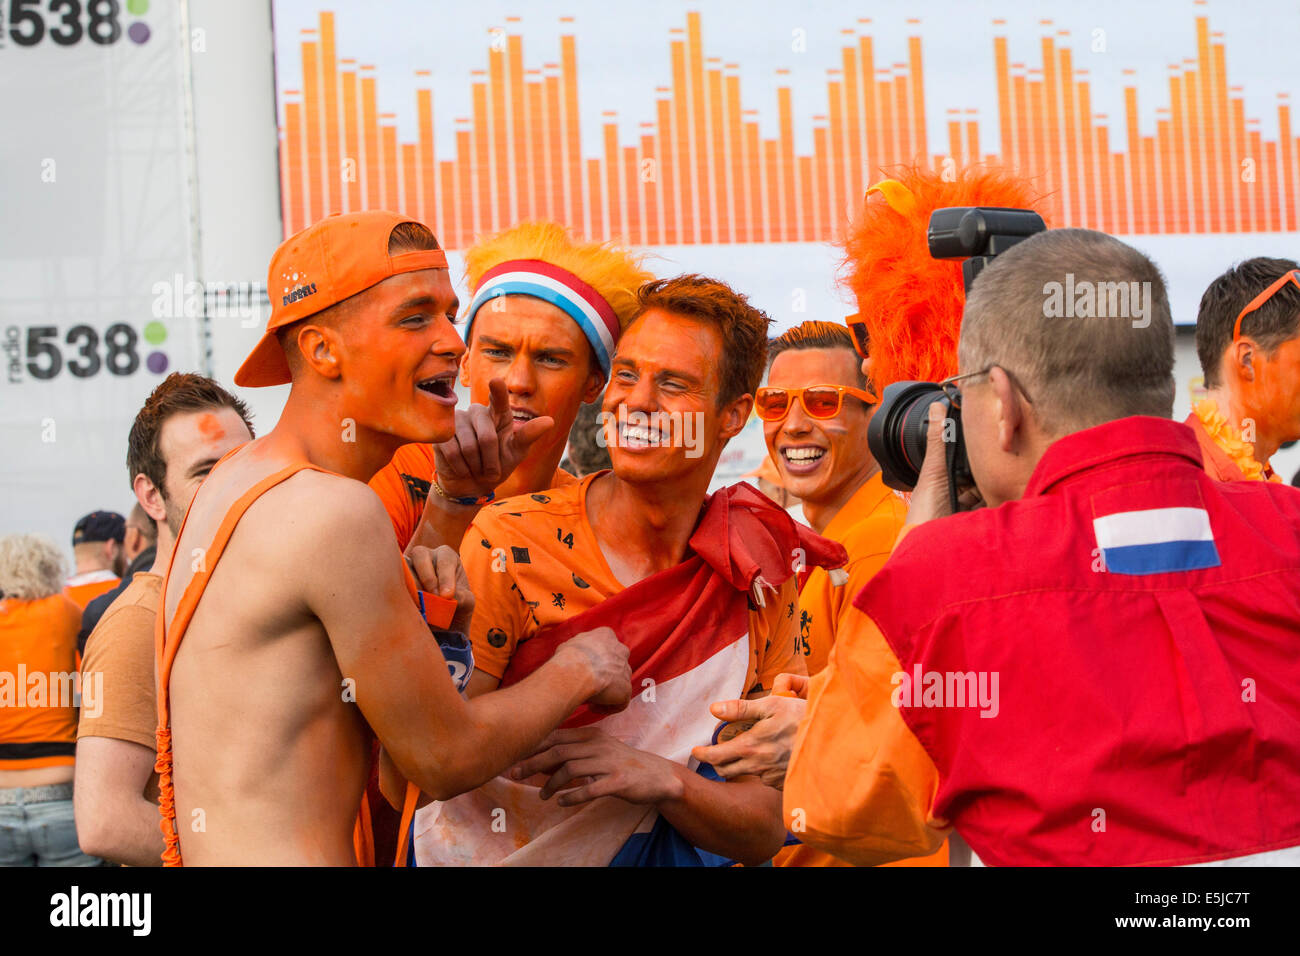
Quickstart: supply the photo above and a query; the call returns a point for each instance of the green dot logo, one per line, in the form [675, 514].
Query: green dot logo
[137, 7]
[155, 333]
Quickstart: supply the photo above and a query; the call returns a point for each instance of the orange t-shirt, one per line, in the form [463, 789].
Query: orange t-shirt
[867, 526]
[403, 486]
[84, 588]
[120, 657]
[533, 560]
[38, 680]
[868, 804]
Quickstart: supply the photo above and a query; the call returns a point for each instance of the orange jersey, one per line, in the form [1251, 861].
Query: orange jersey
[869, 805]
[403, 486]
[867, 526]
[84, 588]
[533, 560]
[38, 675]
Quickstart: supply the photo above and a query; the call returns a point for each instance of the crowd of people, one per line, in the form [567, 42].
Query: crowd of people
[395, 631]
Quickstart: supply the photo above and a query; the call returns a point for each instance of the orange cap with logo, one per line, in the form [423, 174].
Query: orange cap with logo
[327, 262]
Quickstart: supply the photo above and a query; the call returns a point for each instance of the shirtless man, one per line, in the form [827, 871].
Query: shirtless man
[280, 651]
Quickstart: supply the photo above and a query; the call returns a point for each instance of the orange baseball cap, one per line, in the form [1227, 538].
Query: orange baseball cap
[327, 262]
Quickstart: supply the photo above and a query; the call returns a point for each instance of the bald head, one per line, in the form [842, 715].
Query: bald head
[1082, 321]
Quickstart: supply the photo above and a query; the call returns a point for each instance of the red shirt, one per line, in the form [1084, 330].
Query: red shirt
[1143, 624]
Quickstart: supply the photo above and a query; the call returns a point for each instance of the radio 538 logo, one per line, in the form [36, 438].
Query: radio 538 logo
[28, 23]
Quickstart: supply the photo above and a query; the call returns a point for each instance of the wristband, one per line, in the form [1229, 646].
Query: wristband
[481, 500]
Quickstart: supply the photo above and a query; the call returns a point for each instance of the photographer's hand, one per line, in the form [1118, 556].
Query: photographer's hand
[930, 496]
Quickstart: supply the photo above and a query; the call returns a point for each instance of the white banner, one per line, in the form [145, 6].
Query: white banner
[96, 303]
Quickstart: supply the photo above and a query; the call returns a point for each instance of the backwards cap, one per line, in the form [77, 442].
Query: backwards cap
[327, 262]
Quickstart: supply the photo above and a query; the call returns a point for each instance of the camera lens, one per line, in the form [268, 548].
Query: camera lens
[898, 429]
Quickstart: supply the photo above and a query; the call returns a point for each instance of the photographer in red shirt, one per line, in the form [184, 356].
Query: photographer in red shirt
[1096, 668]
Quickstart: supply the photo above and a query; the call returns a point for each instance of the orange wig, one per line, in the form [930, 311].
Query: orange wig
[912, 304]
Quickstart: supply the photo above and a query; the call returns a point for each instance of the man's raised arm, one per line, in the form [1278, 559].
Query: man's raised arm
[437, 740]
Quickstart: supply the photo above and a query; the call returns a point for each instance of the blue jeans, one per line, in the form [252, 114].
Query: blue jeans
[40, 834]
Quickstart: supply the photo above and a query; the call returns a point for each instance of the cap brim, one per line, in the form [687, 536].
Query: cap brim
[265, 365]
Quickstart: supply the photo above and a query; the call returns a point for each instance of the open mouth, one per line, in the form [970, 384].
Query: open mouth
[521, 415]
[442, 387]
[641, 436]
[802, 459]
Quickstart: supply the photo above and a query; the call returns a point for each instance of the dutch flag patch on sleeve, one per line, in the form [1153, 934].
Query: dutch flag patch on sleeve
[1156, 540]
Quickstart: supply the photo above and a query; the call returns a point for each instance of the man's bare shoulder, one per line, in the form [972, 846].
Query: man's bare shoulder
[314, 508]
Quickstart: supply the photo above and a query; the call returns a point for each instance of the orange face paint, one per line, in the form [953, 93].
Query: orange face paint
[396, 339]
[1273, 398]
[210, 429]
[666, 375]
[541, 355]
[819, 459]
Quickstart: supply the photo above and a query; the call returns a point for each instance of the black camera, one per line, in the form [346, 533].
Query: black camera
[897, 433]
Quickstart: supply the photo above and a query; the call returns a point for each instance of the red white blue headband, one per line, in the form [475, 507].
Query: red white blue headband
[561, 288]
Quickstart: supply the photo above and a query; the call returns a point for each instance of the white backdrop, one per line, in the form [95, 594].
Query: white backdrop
[89, 247]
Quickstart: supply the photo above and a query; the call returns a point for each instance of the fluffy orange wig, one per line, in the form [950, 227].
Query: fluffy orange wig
[912, 304]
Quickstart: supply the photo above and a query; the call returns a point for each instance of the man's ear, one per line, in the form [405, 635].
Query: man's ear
[321, 349]
[150, 498]
[595, 384]
[464, 367]
[1009, 412]
[1241, 356]
[736, 415]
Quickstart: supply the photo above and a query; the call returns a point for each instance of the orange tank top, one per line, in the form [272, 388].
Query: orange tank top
[166, 644]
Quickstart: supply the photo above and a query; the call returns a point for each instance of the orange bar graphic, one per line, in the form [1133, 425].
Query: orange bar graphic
[700, 171]
[295, 218]
[312, 126]
[615, 202]
[518, 137]
[1005, 111]
[595, 203]
[502, 195]
[854, 186]
[919, 146]
[533, 141]
[483, 220]
[410, 180]
[426, 161]
[789, 222]
[333, 176]
[351, 172]
[719, 198]
[556, 190]
[573, 131]
[392, 172]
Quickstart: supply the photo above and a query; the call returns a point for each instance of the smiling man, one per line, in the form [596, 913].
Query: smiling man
[701, 589]
[815, 410]
[278, 663]
[546, 314]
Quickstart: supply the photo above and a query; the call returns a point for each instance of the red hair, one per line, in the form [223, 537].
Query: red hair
[911, 303]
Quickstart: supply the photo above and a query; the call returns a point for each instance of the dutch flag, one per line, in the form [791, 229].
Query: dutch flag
[1156, 541]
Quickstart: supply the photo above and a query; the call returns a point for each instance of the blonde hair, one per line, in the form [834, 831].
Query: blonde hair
[616, 273]
[31, 567]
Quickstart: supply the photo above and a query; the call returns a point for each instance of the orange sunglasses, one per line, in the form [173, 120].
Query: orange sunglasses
[858, 328]
[820, 401]
[1259, 300]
